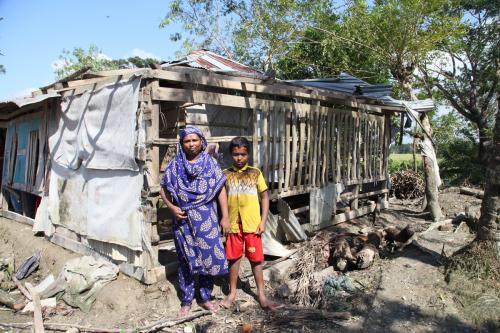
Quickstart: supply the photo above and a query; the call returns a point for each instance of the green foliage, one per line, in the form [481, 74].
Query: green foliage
[457, 150]
[94, 59]
[459, 162]
[79, 58]
[400, 162]
[464, 71]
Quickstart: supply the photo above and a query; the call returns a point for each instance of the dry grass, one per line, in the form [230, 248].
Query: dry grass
[313, 258]
[473, 275]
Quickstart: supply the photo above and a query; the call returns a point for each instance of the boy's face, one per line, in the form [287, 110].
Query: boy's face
[240, 157]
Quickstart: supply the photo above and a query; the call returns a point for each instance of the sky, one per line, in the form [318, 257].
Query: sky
[34, 33]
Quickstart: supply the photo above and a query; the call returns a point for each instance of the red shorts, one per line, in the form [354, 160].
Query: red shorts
[252, 242]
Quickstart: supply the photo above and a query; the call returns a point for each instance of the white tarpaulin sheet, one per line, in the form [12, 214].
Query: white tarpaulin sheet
[97, 129]
[102, 205]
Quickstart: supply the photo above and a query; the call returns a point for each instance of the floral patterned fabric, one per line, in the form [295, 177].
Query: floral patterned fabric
[194, 188]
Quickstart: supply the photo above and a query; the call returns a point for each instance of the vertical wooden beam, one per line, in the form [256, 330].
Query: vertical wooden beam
[349, 145]
[355, 148]
[345, 146]
[294, 148]
[288, 118]
[380, 147]
[281, 116]
[355, 194]
[328, 145]
[309, 141]
[265, 141]
[338, 140]
[332, 149]
[255, 139]
[314, 151]
[302, 141]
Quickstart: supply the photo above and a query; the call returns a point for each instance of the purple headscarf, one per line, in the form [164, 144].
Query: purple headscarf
[193, 184]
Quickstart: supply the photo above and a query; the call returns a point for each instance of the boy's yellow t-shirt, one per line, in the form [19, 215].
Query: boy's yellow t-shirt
[243, 187]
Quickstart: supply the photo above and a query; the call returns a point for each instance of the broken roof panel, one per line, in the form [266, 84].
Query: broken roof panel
[214, 62]
[17, 103]
[347, 84]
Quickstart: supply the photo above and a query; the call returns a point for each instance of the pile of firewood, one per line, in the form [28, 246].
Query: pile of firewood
[407, 184]
[319, 258]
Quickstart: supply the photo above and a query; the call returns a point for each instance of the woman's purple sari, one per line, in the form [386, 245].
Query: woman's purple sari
[194, 188]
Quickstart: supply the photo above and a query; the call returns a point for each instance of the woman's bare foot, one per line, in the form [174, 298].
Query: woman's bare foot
[184, 311]
[210, 307]
[228, 301]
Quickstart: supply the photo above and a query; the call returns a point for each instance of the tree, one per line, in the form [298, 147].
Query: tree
[464, 72]
[489, 222]
[257, 33]
[95, 60]
[401, 34]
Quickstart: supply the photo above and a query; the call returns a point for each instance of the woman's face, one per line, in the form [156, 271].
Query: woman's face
[191, 144]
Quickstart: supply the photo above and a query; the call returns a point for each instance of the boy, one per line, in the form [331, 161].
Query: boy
[245, 185]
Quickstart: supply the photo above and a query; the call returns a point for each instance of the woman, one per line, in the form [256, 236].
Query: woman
[191, 184]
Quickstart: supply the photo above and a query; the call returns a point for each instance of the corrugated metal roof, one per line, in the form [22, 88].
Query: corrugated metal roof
[17, 103]
[347, 84]
[214, 62]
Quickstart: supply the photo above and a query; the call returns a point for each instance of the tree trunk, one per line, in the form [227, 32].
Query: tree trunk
[488, 226]
[483, 139]
[431, 183]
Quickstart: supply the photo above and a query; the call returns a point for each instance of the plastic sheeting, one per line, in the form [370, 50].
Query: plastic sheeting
[80, 281]
[95, 182]
[102, 205]
[97, 129]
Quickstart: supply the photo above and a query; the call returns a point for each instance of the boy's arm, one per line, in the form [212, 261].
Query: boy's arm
[224, 221]
[264, 204]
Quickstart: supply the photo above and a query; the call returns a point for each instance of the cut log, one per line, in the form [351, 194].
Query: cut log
[365, 257]
[393, 234]
[341, 254]
[472, 191]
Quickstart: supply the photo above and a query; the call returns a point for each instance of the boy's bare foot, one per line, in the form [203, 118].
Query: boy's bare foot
[228, 301]
[210, 307]
[265, 304]
[184, 311]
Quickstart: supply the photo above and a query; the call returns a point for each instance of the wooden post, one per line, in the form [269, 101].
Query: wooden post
[265, 141]
[294, 149]
[255, 140]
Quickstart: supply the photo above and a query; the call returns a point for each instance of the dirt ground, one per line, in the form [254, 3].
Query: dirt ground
[403, 291]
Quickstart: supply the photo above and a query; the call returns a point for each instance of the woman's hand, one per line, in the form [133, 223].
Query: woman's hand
[225, 225]
[178, 213]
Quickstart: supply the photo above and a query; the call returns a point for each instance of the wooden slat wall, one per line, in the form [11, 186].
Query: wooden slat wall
[304, 150]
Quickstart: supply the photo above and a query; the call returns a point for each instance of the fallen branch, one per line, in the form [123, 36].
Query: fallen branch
[145, 329]
[472, 191]
[271, 264]
[169, 322]
[37, 311]
[21, 288]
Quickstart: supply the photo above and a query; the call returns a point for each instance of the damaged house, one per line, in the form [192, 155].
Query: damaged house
[83, 157]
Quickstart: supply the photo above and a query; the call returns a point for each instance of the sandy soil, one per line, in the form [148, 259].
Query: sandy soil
[402, 292]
